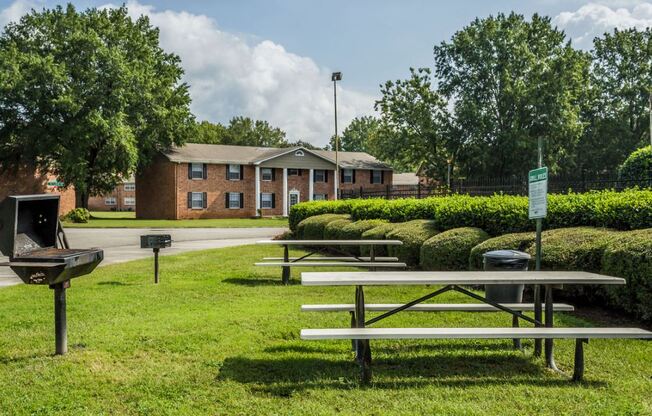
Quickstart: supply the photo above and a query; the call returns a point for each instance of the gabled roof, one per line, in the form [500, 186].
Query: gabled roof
[249, 155]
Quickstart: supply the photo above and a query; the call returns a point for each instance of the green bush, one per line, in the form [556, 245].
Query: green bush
[413, 234]
[450, 250]
[498, 214]
[354, 231]
[78, 215]
[638, 166]
[515, 241]
[333, 228]
[630, 256]
[377, 233]
[312, 228]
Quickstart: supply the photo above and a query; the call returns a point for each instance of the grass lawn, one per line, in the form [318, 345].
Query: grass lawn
[219, 336]
[128, 220]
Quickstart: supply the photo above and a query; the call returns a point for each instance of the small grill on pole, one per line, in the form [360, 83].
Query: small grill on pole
[33, 239]
[155, 242]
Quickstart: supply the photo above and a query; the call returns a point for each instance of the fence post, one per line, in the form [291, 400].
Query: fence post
[388, 192]
[361, 192]
[419, 190]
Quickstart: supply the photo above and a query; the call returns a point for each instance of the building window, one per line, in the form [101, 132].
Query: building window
[267, 200]
[376, 176]
[234, 200]
[130, 187]
[294, 172]
[129, 201]
[320, 197]
[197, 171]
[347, 176]
[299, 153]
[235, 172]
[109, 200]
[267, 174]
[320, 175]
[197, 200]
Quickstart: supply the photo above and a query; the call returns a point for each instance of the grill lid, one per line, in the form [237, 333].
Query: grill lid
[28, 223]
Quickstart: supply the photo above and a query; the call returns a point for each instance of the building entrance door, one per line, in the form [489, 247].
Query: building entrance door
[294, 198]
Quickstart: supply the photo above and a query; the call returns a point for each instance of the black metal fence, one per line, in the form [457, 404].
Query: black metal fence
[490, 186]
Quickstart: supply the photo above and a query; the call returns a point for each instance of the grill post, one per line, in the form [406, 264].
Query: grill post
[60, 322]
[156, 250]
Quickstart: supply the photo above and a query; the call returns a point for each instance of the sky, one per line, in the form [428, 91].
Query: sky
[272, 59]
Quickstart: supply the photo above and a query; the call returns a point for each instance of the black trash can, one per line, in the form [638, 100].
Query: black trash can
[505, 260]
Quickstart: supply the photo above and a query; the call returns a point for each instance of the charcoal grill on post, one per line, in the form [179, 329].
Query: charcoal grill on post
[33, 239]
[155, 242]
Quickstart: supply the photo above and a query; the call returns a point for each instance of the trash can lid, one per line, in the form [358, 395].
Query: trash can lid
[507, 254]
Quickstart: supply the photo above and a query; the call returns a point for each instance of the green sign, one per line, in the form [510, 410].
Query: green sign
[57, 183]
[538, 193]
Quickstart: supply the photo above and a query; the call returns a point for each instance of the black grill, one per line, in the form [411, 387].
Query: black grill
[32, 237]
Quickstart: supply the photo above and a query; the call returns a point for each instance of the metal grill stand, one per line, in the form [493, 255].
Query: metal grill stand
[60, 322]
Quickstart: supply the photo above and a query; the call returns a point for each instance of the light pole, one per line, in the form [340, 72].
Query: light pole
[336, 76]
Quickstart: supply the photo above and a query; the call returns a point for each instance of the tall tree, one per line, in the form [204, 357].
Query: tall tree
[617, 114]
[209, 133]
[359, 135]
[244, 131]
[89, 95]
[512, 81]
[414, 125]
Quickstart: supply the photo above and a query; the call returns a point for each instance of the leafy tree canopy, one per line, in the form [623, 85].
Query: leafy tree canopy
[89, 95]
[358, 136]
[241, 131]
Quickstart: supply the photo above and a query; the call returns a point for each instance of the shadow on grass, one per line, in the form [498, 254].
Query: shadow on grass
[258, 281]
[438, 347]
[114, 283]
[284, 376]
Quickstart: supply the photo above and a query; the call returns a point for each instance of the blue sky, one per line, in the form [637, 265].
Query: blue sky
[271, 59]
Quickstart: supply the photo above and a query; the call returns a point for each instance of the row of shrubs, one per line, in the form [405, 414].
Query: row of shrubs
[626, 254]
[498, 214]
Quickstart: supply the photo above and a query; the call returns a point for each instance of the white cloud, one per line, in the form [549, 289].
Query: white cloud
[231, 76]
[15, 11]
[593, 19]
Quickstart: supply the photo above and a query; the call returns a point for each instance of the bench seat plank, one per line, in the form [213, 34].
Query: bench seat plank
[324, 258]
[473, 333]
[433, 307]
[332, 242]
[331, 264]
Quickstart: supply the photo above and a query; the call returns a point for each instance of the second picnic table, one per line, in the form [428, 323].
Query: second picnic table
[345, 259]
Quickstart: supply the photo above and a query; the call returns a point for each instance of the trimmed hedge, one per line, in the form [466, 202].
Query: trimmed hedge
[376, 233]
[333, 228]
[77, 215]
[413, 234]
[498, 214]
[354, 231]
[516, 241]
[630, 256]
[638, 166]
[450, 250]
[313, 228]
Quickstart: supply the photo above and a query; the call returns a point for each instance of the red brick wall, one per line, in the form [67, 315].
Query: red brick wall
[363, 179]
[155, 190]
[275, 187]
[97, 203]
[29, 181]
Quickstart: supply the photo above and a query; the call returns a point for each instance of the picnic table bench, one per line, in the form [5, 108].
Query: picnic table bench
[319, 246]
[544, 329]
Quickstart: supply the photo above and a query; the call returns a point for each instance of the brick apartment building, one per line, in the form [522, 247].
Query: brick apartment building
[220, 181]
[28, 181]
[122, 198]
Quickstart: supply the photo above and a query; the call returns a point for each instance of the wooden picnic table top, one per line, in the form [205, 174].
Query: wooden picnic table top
[455, 278]
[332, 242]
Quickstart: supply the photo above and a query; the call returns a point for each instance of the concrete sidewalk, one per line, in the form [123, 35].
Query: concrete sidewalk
[123, 244]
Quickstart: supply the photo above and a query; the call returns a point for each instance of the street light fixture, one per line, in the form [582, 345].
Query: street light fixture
[336, 76]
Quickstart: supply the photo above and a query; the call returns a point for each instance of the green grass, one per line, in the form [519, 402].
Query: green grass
[220, 336]
[128, 220]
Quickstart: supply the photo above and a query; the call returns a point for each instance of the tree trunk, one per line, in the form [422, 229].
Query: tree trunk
[81, 199]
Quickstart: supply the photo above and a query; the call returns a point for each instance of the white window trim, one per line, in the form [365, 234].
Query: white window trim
[110, 201]
[231, 200]
[299, 153]
[322, 197]
[231, 171]
[193, 200]
[270, 201]
[131, 186]
[200, 170]
[344, 171]
[293, 174]
[323, 179]
[380, 178]
[262, 174]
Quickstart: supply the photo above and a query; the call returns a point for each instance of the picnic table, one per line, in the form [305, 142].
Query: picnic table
[314, 247]
[454, 281]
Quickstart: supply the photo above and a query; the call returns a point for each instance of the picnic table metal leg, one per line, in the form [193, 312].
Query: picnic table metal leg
[286, 269]
[549, 343]
[578, 371]
[372, 256]
[363, 350]
[537, 317]
[517, 341]
[353, 325]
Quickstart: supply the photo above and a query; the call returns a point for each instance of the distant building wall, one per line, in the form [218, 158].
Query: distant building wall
[28, 181]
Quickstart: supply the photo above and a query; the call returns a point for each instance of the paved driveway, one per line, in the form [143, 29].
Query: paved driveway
[123, 244]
